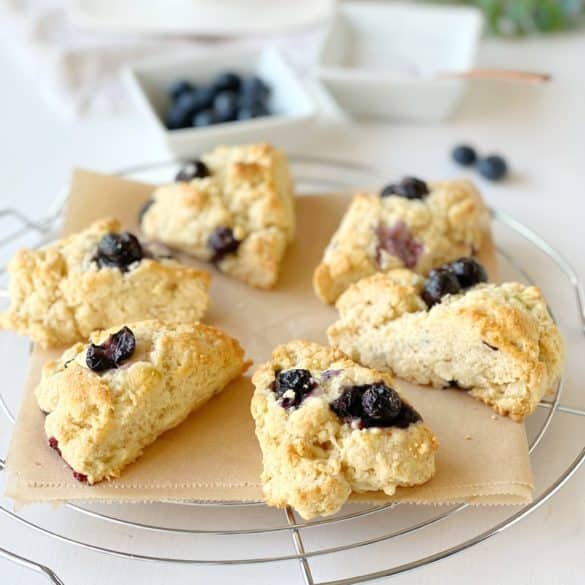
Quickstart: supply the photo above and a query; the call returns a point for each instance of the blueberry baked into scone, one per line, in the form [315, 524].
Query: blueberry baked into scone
[498, 342]
[328, 427]
[109, 399]
[95, 279]
[234, 207]
[410, 224]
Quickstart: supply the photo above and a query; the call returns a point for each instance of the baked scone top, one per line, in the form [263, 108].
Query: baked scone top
[378, 234]
[63, 291]
[496, 340]
[248, 190]
[315, 451]
[101, 420]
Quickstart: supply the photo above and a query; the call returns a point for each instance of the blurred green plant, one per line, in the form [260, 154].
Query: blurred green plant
[522, 17]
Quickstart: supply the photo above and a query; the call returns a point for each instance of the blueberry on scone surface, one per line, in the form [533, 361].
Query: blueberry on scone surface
[411, 224]
[109, 399]
[234, 207]
[94, 279]
[328, 427]
[498, 342]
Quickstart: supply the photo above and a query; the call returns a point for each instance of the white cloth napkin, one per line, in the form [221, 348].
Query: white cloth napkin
[78, 71]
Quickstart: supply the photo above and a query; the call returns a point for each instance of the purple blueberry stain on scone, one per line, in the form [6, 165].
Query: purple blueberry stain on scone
[398, 241]
[408, 187]
[293, 386]
[195, 169]
[222, 242]
[80, 477]
[145, 207]
[54, 444]
[373, 405]
[118, 251]
[112, 352]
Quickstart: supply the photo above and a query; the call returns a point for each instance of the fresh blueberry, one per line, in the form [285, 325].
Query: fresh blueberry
[492, 167]
[118, 251]
[440, 282]
[112, 352]
[203, 97]
[144, 209]
[179, 87]
[253, 90]
[409, 187]
[227, 80]
[194, 169]
[381, 403]
[464, 155]
[297, 381]
[204, 118]
[468, 271]
[177, 118]
[188, 103]
[225, 106]
[254, 111]
[222, 241]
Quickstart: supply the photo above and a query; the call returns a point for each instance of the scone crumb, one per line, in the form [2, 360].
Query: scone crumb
[468, 437]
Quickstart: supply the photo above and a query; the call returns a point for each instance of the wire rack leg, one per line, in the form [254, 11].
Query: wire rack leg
[34, 566]
[300, 548]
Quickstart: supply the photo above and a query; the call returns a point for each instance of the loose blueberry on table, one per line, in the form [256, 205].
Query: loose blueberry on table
[493, 167]
[374, 405]
[229, 97]
[293, 386]
[222, 242]
[112, 352]
[464, 155]
[408, 187]
[118, 251]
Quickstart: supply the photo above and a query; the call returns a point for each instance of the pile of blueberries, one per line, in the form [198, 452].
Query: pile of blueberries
[492, 167]
[452, 278]
[229, 97]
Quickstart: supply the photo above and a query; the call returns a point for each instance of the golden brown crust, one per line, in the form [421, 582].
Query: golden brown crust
[496, 341]
[249, 191]
[443, 226]
[59, 294]
[103, 421]
[312, 459]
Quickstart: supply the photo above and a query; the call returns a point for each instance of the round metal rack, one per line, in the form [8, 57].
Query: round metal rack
[220, 528]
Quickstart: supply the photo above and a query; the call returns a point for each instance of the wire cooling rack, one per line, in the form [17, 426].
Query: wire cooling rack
[392, 538]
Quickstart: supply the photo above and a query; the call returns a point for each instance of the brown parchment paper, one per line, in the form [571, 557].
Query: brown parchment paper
[214, 455]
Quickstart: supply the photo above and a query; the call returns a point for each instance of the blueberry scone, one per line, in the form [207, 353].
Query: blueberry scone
[95, 279]
[234, 208]
[109, 399]
[497, 342]
[328, 427]
[410, 224]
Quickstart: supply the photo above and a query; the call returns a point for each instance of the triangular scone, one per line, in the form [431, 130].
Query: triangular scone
[238, 214]
[498, 342]
[62, 292]
[381, 233]
[328, 426]
[149, 376]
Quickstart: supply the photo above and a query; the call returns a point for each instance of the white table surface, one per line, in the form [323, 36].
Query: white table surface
[542, 132]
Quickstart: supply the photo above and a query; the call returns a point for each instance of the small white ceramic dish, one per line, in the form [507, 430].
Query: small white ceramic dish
[384, 60]
[199, 17]
[292, 106]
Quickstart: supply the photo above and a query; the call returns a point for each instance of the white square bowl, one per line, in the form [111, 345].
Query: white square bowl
[292, 106]
[384, 60]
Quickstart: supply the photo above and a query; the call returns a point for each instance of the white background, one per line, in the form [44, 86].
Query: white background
[541, 130]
